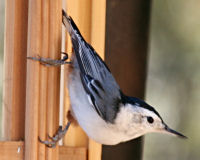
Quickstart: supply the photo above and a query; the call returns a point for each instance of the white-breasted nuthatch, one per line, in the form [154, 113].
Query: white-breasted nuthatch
[103, 111]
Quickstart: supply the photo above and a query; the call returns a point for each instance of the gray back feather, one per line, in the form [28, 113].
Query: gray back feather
[97, 80]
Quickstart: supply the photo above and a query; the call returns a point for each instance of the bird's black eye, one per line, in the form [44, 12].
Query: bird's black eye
[150, 119]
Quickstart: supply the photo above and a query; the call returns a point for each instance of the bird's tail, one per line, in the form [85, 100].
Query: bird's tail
[67, 21]
[77, 39]
[70, 25]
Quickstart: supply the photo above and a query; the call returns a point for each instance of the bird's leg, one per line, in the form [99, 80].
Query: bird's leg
[51, 62]
[51, 143]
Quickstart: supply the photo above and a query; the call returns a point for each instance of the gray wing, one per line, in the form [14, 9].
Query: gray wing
[101, 87]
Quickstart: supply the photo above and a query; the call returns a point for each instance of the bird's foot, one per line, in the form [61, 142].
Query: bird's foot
[52, 142]
[51, 62]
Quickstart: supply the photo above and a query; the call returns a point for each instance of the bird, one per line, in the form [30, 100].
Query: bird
[105, 113]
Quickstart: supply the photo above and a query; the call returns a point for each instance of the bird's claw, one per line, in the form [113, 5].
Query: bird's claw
[49, 144]
[65, 57]
[53, 140]
[51, 62]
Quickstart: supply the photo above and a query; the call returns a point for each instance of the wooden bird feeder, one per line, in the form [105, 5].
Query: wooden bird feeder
[32, 92]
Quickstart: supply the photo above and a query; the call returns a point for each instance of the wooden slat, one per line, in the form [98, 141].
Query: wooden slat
[33, 79]
[90, 19]
[14, 83]
[55, 22]
[81, 13]
[43, 83]
[42, 129]
[72, 153]
[98, 42]
[12, 150]
[98, 26]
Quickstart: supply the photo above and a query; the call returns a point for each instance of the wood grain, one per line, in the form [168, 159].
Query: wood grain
[14, 82]
[55, 19]
[43, 79]
[14, 150]
[72, 153]
[33, 81]
[43, 83]
[39, 33]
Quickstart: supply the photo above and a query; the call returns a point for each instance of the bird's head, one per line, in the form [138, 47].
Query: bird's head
[141, 118]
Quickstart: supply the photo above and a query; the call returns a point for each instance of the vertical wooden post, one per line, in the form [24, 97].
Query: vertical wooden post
[90, 19]
[42, 99]
[55, 22]
[42, 119]
[98, 42]
[80, 11]
[127, 24]
[32, 89]
[14, 87]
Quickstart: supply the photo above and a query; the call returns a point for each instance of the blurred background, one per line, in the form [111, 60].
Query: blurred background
[173, 83]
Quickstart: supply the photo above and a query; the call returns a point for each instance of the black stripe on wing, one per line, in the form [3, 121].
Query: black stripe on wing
[93, 87]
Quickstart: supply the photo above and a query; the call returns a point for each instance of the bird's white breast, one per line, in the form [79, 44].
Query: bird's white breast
[95, 127]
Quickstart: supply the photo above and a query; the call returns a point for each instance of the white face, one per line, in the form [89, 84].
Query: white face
[150, 121]
[136, 121]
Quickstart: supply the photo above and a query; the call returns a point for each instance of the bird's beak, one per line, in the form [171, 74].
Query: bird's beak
[173, 132]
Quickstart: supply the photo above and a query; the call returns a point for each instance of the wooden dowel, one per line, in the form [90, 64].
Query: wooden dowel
[33, 79]
[55, 13]
[43, 79]
[14, 83]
